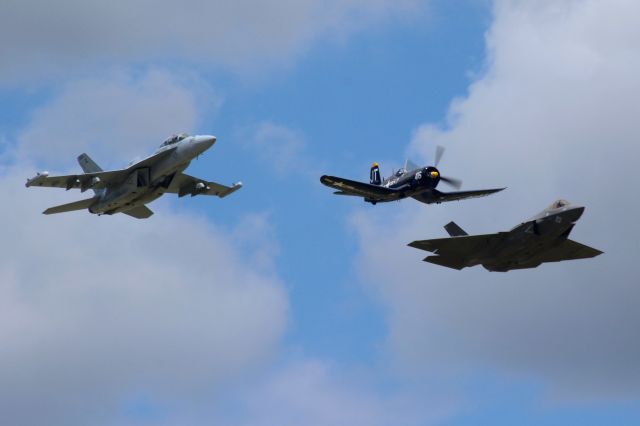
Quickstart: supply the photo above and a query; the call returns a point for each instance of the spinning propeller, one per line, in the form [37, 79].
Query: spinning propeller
[456, 183]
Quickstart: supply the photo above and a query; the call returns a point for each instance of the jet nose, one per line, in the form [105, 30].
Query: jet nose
[203, 142]
[576, 213]
[207, 140]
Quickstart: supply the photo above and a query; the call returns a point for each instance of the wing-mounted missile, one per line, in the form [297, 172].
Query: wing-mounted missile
[37, 179]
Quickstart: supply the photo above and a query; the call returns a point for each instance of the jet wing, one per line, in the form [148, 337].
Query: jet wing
[568, 250]
[464, 246]
[360, 189]
[97, 180]
[84, 181]
[435, 196]
[183, 184]
[459, 252]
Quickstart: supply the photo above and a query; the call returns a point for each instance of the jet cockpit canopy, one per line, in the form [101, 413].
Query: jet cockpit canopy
[558, 204]
[174, 139]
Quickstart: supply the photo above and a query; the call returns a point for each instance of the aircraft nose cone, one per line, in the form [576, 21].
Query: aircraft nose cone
[576, 213]
[208, 140]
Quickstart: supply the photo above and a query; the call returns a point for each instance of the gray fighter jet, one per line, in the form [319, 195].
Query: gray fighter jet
[543, 238]
[128, 190]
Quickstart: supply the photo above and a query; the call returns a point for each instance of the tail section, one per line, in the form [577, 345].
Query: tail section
[76, 205]
[454, 230]
[374, 176]
[87, 164]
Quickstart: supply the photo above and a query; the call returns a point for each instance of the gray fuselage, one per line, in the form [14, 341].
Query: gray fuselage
[150, 181]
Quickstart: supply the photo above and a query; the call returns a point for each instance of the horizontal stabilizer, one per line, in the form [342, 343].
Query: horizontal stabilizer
[449, 262]
[76, 205]
[454, 230]
[140, 212]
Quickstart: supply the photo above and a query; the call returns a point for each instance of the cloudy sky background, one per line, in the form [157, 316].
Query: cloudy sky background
[283, 304]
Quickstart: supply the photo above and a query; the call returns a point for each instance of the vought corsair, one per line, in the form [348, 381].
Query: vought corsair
[411, 181]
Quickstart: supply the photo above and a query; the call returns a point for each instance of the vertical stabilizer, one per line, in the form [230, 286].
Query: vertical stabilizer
[454, 230]
[374, 175]
[87, 164]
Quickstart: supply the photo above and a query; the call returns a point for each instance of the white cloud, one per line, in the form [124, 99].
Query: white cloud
[41, 37]
[114, 118]
[282, 149]
[313, 392]
[554, 116]
[96, 309]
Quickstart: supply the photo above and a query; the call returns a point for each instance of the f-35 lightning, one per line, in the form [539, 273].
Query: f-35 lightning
[411, 181]
[543, 238]
[128, 190]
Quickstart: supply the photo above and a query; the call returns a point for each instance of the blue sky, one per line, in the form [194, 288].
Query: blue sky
[287, 305]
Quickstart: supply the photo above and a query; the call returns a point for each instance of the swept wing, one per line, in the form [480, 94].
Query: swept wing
[464, 246]
[97, 180]
[569, 250]
[183, 184]
[456, 252]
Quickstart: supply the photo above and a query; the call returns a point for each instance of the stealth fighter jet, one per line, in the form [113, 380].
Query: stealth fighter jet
[128, 190]
[411, 181]
[543, 238]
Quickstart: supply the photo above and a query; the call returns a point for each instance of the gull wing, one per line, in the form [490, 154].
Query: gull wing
[360, 189]
[435, 196]
[183, 184]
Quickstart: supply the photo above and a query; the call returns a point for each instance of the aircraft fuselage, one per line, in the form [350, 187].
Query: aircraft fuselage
[150, 181]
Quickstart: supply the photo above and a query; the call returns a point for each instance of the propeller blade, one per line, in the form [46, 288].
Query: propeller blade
[456, 183]
[439, 154]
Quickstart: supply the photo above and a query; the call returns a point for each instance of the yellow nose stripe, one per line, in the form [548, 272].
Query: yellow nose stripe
[434, 174]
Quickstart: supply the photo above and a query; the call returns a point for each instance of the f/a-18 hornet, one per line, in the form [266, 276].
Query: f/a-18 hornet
[128, 190]
[411, 181]
[543, 238]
